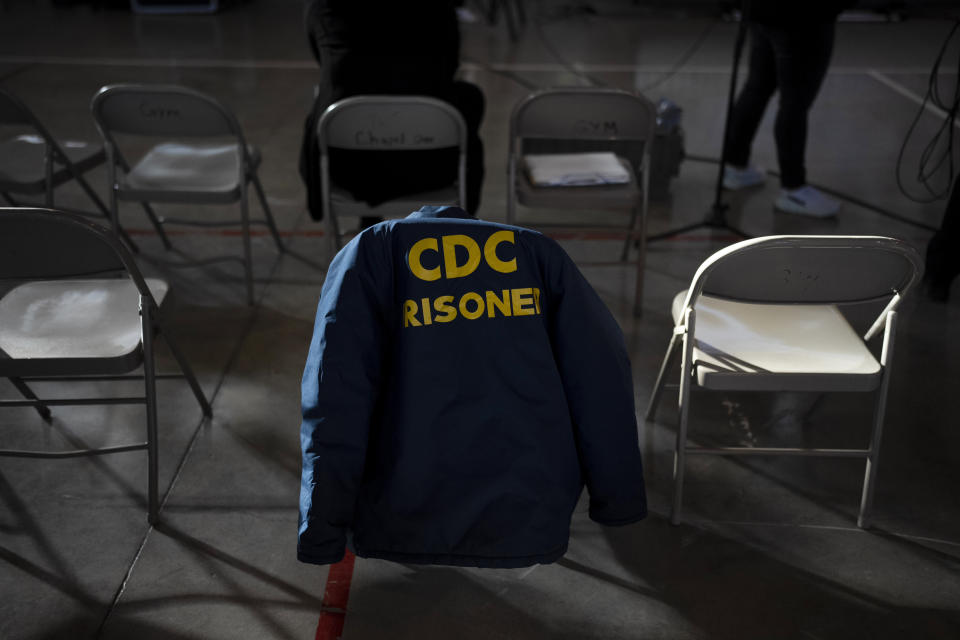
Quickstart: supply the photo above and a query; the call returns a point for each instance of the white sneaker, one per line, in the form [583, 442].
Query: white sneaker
[807, 201]
[736, 178]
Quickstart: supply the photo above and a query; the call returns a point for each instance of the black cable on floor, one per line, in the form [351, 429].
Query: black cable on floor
[931, 163]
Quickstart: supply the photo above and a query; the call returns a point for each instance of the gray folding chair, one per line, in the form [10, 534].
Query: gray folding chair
[389, 123]
[33, 162]
[80, 310]
[181, 169]
[761, 315]
[577, 119]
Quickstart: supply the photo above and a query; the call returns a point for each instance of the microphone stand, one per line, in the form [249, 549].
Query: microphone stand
[717, 215]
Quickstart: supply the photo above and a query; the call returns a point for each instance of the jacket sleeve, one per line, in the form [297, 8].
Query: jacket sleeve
[340, 390]
[592, 359]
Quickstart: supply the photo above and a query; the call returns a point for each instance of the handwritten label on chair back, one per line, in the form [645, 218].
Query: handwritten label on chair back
[155, 113]
[373, 126]
[585, 115]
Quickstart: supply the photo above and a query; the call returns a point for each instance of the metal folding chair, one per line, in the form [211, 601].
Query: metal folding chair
[33, 162]
[80, 310]
[576, 119]
[389, 123]
[762, 315]
[181, 168]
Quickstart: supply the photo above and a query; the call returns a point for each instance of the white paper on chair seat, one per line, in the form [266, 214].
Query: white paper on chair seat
[575, 169]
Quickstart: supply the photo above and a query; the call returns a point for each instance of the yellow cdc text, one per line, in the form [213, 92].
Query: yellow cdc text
[446, 246]
[472, 305]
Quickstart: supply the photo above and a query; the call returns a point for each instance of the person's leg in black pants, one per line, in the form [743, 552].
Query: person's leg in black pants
[802, 56]
[752, 101]
[943, 252]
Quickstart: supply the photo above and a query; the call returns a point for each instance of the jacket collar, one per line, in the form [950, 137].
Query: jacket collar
[439, 212]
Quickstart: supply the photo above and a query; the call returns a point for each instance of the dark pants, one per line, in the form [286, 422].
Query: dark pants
[793, 61]
[943, 252]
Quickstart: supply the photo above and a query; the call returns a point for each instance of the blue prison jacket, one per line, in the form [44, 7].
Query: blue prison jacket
[463, 384]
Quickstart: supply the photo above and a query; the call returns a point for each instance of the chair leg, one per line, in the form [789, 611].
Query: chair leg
[641, 236]
[87, 188]
[28, 393]
[870, 473]
[511, 193]
[130, 243]
[157, 225]
[247, 252]
[112, 163]
[103, 208]
[187, 372]
[631, 234]
[48, 178]
[271, 224]
[661, 377]
[511, 20]
[150, 388]
[521, 14]
[10, 201]
[680, 452]
[334, 229]
[114, 211]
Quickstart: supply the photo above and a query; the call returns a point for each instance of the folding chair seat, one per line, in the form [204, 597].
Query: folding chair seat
[805, 348]
[69, 317]
[209, 172]
[389, 123]
[203, 158]
[76, 326]
[762, 315]
[22, 160]
[33, 162]
[585, 120]
[605, 197]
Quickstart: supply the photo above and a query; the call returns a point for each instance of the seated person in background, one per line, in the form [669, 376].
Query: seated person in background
[389, 47]
[463, 384]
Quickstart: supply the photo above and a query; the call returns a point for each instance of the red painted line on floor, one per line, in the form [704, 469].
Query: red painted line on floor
[335, 596]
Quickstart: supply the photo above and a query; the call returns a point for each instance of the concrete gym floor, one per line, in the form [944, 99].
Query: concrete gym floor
[767, 549]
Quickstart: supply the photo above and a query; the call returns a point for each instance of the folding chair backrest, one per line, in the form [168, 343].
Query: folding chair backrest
[12, 111]
[583, 114]
[38, 244]
[391, 123]
[162, 111]
[809, 270]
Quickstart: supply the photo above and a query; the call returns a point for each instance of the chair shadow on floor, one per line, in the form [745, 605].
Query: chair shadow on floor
[103, 621]
[730, 588]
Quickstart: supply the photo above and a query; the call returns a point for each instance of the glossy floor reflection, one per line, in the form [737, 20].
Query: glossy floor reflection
[768, 548]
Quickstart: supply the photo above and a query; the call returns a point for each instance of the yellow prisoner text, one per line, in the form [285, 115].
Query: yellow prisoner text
[472, 305]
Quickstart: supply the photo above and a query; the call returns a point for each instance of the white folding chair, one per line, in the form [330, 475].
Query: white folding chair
[33, 162]
[582, 120]
[182, 168]
[71, 318]
[762, 315]
[389, 123]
